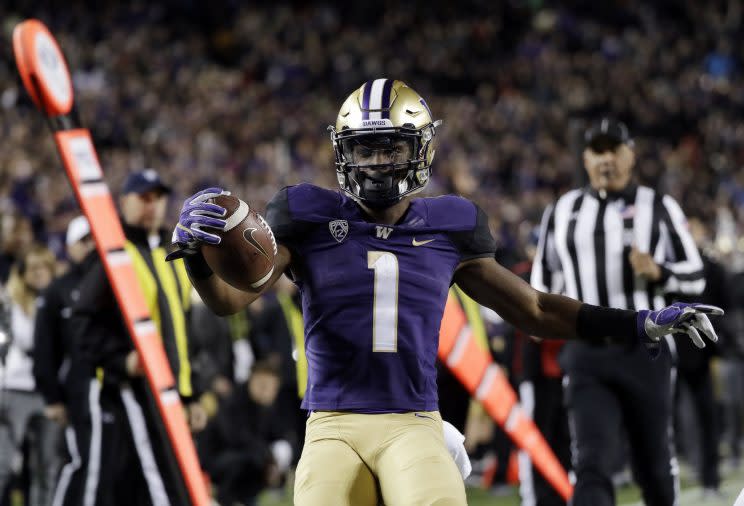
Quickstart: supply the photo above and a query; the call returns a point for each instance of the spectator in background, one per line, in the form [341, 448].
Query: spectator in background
[63, 376]
[213, 356]
[279, 338]
[243, 449]
[16, 236]
[22, 407]
[213, 353]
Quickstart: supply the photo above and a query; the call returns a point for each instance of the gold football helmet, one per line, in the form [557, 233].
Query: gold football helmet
[384, 142]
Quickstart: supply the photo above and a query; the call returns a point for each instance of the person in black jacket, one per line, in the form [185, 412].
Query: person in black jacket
[138, 464]
[62, 374]
[243, 448]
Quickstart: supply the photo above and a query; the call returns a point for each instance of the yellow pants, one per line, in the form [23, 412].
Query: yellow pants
[350, 459]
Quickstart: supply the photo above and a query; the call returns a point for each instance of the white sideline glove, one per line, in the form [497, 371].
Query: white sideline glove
[454, 441]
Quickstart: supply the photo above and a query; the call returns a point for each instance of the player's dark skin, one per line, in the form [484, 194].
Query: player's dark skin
[483, 279]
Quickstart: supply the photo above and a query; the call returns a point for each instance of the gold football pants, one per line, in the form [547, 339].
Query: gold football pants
[349, 459]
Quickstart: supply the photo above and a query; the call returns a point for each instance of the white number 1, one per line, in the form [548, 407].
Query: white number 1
[385, 306]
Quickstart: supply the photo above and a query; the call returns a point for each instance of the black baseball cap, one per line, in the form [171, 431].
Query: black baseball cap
[607, 132]
[144, 181]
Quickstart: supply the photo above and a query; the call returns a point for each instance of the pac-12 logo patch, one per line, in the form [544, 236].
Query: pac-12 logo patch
[339, 229]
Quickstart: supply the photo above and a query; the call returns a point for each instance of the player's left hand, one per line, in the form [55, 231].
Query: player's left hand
[198, 214]
[690, 319]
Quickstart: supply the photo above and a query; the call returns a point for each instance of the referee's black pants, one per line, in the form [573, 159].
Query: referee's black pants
[136, 466]
[606, 389]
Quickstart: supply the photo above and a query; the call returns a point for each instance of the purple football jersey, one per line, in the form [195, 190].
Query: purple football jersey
[373, 295]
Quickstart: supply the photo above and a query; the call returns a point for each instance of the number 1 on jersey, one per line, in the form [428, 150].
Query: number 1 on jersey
[385, 305]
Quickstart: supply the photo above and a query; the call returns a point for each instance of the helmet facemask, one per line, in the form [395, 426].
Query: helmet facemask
[380, 166]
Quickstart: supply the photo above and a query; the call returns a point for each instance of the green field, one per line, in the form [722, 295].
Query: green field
[508, 496]
[627, 495]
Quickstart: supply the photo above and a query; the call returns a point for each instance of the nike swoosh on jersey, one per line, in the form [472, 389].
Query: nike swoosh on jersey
[421, 243]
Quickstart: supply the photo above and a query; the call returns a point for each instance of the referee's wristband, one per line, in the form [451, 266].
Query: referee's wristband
[197, 266]
[598, 324]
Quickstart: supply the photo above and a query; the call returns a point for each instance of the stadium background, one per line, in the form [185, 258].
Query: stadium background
[240, 96]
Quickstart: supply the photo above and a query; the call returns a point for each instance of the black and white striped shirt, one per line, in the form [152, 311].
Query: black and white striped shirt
[585, 243]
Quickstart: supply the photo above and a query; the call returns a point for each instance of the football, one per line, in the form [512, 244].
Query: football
[245, 256]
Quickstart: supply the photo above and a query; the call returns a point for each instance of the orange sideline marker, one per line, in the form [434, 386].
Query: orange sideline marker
[488, 384]
[45, 76]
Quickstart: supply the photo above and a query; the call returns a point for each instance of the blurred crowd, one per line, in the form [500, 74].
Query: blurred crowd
[239, 95]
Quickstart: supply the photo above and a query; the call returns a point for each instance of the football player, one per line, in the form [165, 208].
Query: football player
[374, 265]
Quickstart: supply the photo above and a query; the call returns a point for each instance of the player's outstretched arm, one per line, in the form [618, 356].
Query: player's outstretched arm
[494, 286]
[223, 298]
[555, 316]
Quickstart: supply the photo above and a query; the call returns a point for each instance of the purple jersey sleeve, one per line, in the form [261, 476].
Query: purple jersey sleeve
[289, 226]
[279, 219]
[294, 210]
[477, 242]
[466, 225]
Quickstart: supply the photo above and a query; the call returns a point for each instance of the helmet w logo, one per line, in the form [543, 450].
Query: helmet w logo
[339, 229]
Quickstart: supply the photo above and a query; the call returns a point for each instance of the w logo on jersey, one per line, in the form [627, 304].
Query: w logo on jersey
[383, 232]
[339, 229]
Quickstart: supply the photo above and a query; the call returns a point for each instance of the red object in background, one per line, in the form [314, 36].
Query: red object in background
[549, 350]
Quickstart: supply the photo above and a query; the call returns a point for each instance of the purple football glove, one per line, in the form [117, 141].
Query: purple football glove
[196, 215]
[690, 319]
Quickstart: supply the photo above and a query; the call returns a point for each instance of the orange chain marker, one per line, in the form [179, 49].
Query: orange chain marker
[46, 77]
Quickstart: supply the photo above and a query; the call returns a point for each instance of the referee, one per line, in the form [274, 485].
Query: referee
[617, 244]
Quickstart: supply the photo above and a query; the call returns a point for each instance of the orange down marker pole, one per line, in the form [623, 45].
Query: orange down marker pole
[46, 77]
[489, 385]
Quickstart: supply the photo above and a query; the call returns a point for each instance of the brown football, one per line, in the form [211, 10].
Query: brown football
[245, 256]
